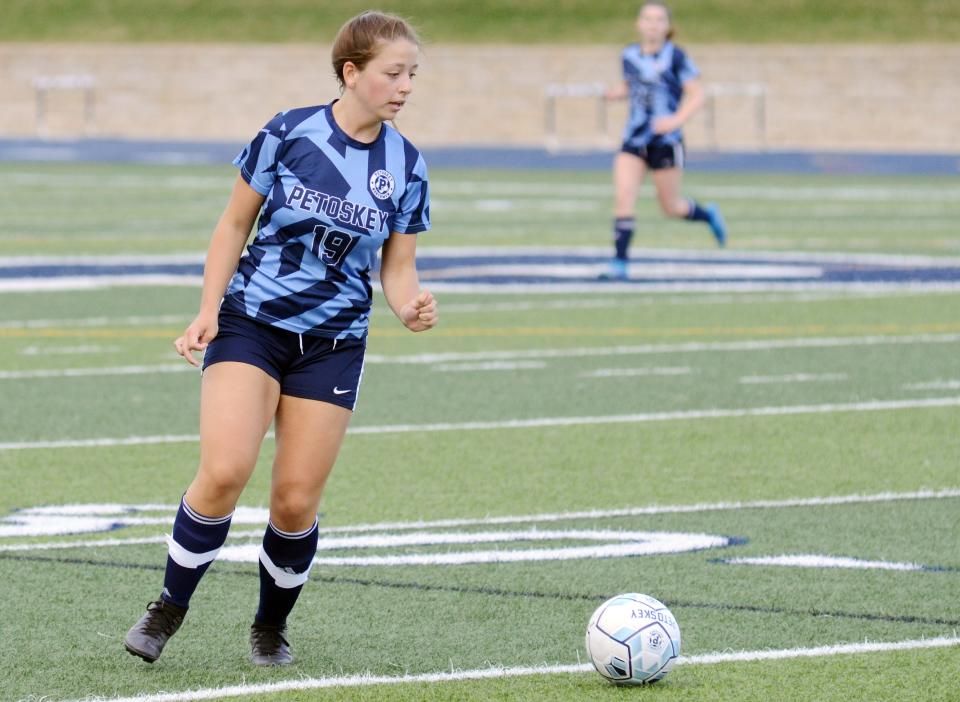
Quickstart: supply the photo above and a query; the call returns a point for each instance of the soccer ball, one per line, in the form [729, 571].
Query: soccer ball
[633, 639]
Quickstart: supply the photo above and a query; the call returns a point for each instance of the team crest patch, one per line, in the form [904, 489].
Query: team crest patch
[382, 184]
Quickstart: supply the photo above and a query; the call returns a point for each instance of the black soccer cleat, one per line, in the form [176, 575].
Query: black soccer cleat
[269, 645]
[148, 636]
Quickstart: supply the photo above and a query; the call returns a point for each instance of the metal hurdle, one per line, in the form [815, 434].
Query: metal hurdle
[595, 91]
[44, 85]
[757, 91]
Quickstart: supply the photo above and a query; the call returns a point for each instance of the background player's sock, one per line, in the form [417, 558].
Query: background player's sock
[195, 542]
[285, 561]
[697, 213]
[622, 234]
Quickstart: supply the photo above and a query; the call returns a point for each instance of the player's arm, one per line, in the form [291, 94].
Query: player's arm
[416, 308]
[618, 92]
[226, 245]
[690, 104]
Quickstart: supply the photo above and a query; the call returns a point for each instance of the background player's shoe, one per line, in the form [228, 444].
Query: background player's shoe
[269, 645]
[717, 225]
[616, 270]
[148, 636]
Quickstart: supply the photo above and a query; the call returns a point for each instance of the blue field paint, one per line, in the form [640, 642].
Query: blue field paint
[497, 271]
[214, 153]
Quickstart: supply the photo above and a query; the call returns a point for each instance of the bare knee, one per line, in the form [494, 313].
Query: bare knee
[293, 508]
[216, 489]
[674, 208]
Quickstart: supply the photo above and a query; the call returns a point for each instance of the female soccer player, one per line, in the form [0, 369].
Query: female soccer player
[664, 91]
[331, 185]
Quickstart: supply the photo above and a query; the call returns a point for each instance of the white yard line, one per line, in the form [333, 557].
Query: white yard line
[534, 304]
[538, 354]
[537, 422]
[830, 500]
[68, 350]
[686, 347]
[366, 680]
[133, 321]
[870, 406]
[636, 372]
[87, 372]
[488, 366]
[934, 385]
[101, 442]
[791, 378]
[92, 543]
[102, 259]
[97, 282]
[815, 560]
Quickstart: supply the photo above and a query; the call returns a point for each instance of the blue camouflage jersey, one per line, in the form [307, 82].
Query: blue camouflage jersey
[656, 87]
[331, 202]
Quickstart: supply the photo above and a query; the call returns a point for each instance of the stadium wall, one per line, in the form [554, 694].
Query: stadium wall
[863, 97]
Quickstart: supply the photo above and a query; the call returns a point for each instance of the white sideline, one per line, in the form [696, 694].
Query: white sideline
[499, 672]
[724, 413]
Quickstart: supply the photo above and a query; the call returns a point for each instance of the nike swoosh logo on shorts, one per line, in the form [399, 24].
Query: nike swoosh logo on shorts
[338, 391]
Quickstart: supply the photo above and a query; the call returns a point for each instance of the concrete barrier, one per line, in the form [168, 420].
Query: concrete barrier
[869, 97]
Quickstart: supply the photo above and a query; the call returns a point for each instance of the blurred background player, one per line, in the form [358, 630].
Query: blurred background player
[332, 184]
[664, 90]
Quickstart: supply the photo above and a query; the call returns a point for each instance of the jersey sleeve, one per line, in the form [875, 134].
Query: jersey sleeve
[413, 214]
[258, 160]
[684, 67]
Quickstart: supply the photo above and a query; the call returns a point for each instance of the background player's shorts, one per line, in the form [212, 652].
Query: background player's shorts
[657, 155]
[311, 367]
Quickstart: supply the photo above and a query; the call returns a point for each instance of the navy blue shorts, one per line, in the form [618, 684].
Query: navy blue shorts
[311, 367]
[657, 155]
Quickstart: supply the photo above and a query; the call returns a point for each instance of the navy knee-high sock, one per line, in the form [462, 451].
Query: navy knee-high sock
[622, 234]
[697, 213]
[285, 561]
[195, 542]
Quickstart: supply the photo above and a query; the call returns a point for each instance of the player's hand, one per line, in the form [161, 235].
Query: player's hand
[420, 313]
[665, 125]
[197, 336]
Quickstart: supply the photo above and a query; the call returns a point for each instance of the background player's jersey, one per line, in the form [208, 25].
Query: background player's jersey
[656, 86]
[331, 202]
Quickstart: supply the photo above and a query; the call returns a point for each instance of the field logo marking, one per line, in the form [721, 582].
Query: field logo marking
[64, 520]
[617, 544]
[496, 271]
[84, 519]
[73, 518]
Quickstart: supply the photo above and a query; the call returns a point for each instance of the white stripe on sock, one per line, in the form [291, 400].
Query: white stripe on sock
[188, 559]
[200, 519]
[281, 577]
[292, 534]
